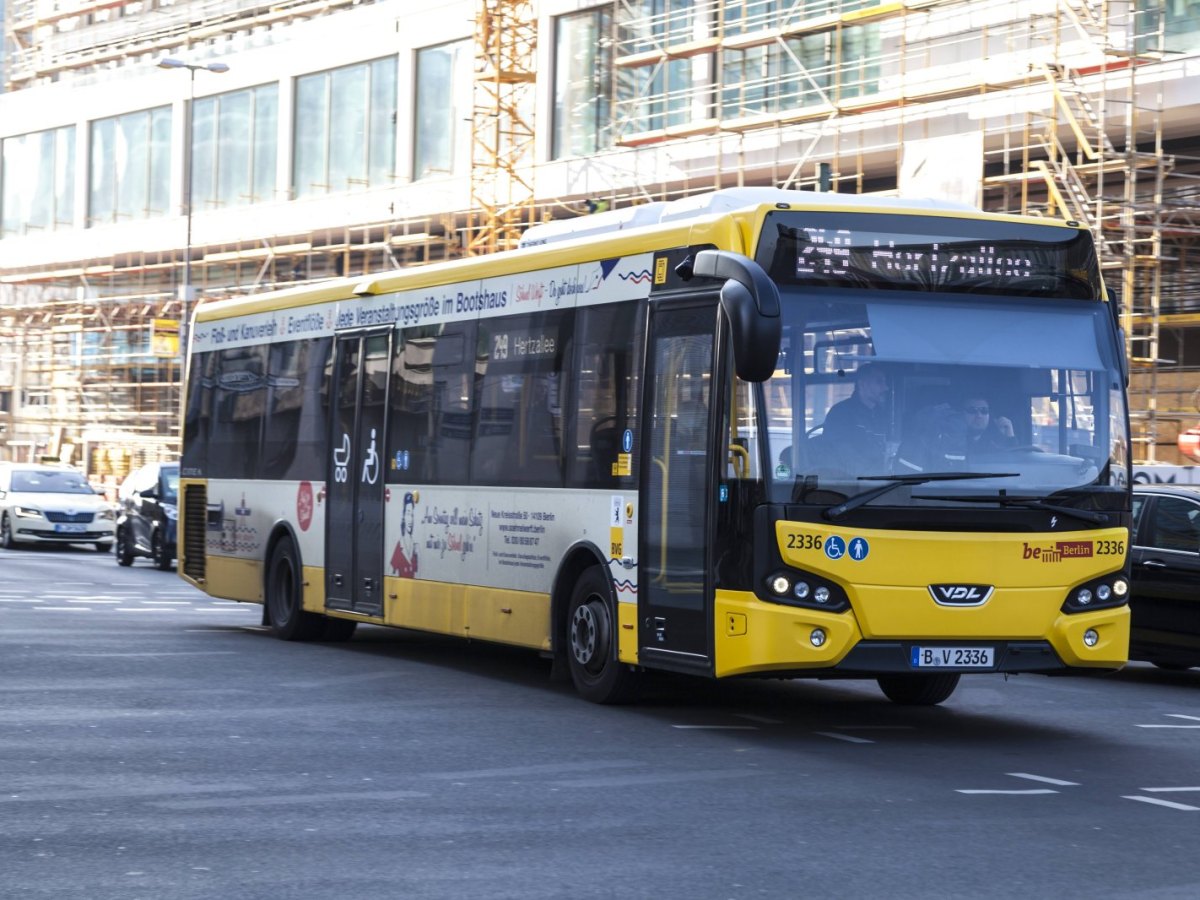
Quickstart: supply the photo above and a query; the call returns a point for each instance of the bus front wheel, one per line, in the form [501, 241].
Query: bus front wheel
[591, 643]
[289, 621]
[918, 690]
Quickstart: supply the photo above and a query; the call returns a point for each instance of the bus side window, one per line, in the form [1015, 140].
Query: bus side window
[605, 396]
[239, 403]
[412, 403]
[197, 423]
[518, 423]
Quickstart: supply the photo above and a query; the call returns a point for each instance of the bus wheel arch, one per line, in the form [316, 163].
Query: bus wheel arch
[586, 627]
[283, 590]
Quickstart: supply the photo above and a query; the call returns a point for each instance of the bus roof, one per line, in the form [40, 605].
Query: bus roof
[725, 200]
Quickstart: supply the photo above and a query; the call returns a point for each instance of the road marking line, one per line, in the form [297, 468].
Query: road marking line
[63, 608]
[716, 727]
[19, 600]
[1043, 778]
[1166, 726]
[221, 609]
[169, 602]
[763, 720]
[93, 601]
[1166, 803]
[848, 738]
[1033, 791]
[1169, 790]
[1182, 716]
[140, 609]
[876, 727]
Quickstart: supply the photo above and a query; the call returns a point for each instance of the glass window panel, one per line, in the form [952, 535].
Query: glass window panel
[233, 169]
[347, 132]
[102, 187]
[266, 142]
[311, 135]
[204, 153]
[132, 161]
[38, 181]
[582, 83]
[382, 123]
[440, 75]
[159, 175]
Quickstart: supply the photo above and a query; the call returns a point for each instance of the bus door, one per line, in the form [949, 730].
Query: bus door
[675, 609]
[354, 518]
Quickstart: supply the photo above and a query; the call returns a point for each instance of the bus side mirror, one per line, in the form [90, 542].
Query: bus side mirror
[751, 303]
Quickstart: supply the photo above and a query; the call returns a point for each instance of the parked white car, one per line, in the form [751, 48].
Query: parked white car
[45, 504]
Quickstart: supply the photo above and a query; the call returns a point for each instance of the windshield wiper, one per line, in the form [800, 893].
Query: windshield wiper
[1003, 499]
[895, 481]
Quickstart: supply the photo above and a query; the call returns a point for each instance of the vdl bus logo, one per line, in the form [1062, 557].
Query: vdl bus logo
[961, 594]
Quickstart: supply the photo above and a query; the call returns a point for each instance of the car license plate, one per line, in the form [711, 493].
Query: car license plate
[953, 657]
[70, 529]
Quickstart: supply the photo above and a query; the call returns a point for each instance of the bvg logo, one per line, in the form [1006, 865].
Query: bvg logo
[961, 594]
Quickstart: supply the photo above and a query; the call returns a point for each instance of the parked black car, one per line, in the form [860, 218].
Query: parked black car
[1165, 594]
[148, 507]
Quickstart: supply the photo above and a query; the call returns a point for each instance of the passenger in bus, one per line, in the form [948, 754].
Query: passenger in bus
[855, 429]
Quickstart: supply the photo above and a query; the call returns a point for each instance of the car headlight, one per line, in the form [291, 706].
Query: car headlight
[27, 512]
[106, 514]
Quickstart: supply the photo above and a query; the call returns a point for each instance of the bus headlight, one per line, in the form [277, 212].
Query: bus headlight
[1091, 637]
[817, 638]
[1099, 593]
[796, 588]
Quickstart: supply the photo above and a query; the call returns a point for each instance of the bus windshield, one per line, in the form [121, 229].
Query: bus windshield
[1022, 397]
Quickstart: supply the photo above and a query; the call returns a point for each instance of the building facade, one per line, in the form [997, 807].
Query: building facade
[289, 141]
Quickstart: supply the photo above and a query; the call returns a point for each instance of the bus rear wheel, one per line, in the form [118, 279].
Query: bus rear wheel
[918, 690]
[591, 643]
[289, 621]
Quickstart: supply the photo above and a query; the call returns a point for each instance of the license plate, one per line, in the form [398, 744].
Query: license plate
[953, 657]
[70, 529]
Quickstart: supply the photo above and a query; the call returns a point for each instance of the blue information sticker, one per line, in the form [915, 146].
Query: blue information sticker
[835, 547]
[627, 441]
[724, 493]
[859, 548]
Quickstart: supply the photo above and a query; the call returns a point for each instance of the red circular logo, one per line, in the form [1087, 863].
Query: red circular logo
[304, 505]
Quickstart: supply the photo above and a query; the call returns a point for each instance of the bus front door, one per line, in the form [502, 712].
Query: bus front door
[354, 518]
[675, 611]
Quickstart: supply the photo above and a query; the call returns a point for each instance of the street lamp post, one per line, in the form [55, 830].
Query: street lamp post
[186, 291]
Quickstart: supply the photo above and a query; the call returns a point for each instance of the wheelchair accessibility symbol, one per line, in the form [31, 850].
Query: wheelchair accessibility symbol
[835, 547]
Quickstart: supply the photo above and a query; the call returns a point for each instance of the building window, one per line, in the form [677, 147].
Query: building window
[582, 83]
[234, 148]
[37, 182]
[662, 91]
[345, 131]
[442, 145]
[130, 166]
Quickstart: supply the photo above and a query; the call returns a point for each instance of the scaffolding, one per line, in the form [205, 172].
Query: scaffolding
[1039, 107]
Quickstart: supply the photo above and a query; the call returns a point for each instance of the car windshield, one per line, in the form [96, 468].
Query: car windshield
[50, 481]
[169, 479]
[870, 385]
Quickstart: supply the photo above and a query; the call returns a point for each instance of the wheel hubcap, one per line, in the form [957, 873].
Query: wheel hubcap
[589, 635]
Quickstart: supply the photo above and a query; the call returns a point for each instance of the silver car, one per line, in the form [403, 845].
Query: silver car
[47, 504]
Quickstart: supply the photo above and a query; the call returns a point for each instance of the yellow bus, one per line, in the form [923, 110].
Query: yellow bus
[751, 433]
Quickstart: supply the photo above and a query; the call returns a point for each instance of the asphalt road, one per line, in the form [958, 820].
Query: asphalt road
[156, 743]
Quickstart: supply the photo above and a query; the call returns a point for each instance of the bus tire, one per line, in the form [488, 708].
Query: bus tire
[284, 591]
[591, 643]
[918, 690]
